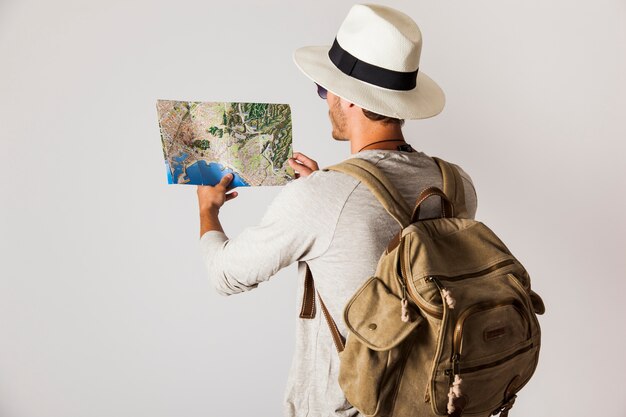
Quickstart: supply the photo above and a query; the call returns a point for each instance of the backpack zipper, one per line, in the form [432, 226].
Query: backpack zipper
[500, 361]
[403, 279]
[404, 283]
[477, 308]
[476, 274]
[436, 279]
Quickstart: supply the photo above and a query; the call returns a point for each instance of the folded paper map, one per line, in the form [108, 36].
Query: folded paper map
[202, 142]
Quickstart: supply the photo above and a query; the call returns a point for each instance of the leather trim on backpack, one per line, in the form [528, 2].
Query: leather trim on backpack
[308, 299]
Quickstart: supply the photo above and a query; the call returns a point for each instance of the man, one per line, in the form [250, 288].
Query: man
[371, 82]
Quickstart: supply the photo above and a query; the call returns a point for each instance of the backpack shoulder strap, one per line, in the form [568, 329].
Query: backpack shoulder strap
[379, 185]
[391, 199]
[453, 187]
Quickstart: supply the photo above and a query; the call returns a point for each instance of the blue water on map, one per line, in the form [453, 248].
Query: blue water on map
[201, 173]
[211, 174]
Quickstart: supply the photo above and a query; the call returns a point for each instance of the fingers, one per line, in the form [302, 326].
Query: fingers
[306, 161]
[302, 164]
[210, 197]
[224, 182]
[226, 179]
[232, 195]
[300, 170]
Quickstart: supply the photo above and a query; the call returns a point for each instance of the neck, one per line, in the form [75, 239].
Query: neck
[364, 137]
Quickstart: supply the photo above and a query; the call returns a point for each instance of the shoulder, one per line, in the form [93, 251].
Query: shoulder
[463, 174]
[329, 178]
[324, 180]
[310, 205]
[319, 189]
[471, 196]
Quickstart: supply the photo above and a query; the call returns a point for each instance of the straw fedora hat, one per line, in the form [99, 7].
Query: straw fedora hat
[374, 63]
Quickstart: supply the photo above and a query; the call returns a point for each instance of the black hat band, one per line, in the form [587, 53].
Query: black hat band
[361, 70]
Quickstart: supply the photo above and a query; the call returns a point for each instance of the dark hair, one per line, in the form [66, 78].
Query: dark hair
[380, 118]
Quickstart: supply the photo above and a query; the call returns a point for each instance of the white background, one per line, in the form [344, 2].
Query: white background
[105, 307]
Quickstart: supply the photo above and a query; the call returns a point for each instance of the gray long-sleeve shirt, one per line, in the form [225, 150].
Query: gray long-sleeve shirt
[333, 222]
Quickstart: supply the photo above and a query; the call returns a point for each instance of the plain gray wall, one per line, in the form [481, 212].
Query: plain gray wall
[105, 306]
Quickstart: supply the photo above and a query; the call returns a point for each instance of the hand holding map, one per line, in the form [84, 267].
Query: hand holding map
[213, 197]
[302, 164]
[203, 141]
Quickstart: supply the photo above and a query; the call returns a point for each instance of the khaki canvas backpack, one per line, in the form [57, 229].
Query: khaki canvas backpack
[447, 324]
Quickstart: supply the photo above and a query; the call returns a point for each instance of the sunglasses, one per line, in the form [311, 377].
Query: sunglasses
[321, 91]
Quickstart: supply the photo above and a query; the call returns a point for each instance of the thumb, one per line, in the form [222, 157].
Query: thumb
[226, 179]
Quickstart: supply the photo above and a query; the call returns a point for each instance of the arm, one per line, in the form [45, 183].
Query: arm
[209, 220]
[297, 225]
[210, 199]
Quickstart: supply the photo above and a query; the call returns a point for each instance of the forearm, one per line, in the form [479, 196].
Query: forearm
[210, 199]
[209, 220]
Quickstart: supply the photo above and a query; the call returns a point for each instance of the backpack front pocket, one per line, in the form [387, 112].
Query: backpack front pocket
[490, 339]
[483, 385]
[376, 348]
